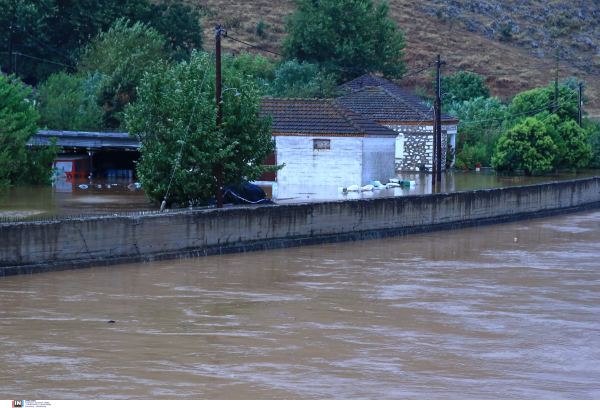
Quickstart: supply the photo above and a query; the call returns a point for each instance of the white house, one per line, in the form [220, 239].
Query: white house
[407, 115]
[322, 142]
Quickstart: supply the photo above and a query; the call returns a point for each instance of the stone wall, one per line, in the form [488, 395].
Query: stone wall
[30, 247]
[414, 146]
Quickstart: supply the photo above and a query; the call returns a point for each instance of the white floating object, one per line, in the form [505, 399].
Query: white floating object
[354, 187]
[390, 185]
[376, 183]
[368, 187]
[83, 186]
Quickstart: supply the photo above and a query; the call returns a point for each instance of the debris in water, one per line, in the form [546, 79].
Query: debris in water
[83, 186]
[111, 321]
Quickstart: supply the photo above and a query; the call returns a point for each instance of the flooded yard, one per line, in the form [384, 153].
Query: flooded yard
[118, 195]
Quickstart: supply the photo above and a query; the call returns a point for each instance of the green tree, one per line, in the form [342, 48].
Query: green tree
[64, 105]
[295, 80]
[463, 86]
[160, 118]
[18, 122]
[121, 55]
[576, 150]
[592, 128]
[541, 100]
[481, 124]
[528, 146]
[346, 33]
[69, 25]
[257, 67]
[178, 23]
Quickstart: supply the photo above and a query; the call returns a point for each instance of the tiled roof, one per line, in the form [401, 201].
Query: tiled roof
[319, 117]
[395, 97]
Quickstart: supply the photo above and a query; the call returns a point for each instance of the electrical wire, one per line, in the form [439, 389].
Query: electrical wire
[72, 59]
[45, 60]
[501, 73]
[520, 114]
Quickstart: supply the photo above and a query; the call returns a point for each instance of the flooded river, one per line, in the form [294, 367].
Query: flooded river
[506, 311]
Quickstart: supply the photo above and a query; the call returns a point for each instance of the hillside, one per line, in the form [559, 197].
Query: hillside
[499, 39]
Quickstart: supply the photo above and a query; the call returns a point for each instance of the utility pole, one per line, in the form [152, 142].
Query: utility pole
[218, 33]
[438, 121]
[580, 102]
[556, 79]
[10, 49]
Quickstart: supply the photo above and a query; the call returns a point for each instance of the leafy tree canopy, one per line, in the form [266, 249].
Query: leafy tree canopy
[484, 112]
[120, 57]
[463, 86]
[346, 33]
[541, 100]
[69, 25]
[166, 105]
[64, 105]
[18, 122]
[528, 146]
[306, 80]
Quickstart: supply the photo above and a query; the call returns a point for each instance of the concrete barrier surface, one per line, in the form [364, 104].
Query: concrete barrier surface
[31, 247]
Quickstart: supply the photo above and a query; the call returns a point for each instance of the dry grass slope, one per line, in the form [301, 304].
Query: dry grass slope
[467, 34]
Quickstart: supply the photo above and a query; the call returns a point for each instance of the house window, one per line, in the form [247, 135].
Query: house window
[321, 144]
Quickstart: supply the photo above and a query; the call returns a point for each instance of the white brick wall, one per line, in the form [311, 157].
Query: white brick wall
[341, 165]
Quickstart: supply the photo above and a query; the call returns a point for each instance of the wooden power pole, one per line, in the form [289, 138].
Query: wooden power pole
[438, 121]
[218, 32]
[556, 79]
[10, 50]
[579, 103]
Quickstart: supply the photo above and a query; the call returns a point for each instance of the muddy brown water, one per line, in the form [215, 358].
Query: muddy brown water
[506, 311]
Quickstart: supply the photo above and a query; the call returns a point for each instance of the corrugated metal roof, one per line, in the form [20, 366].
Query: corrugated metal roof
[85, 139]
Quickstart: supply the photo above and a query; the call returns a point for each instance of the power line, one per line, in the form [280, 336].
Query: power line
[73, 59]
[45, 60]
[524, 113]
[500, 73]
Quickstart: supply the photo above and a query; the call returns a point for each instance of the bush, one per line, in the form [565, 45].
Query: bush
[260, 29]
[528, 146]
[592, 128]
[506, 32]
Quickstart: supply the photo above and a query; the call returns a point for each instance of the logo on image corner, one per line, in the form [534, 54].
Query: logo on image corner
[17, 404]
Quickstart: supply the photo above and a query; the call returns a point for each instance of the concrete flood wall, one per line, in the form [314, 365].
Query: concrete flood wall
[31, 247]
